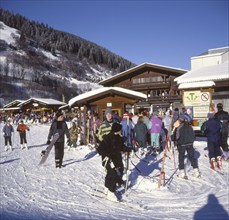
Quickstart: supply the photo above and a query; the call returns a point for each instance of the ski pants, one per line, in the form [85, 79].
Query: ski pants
[190, 151]
[213, 149]
[23, 138]
[155, 137]
[8, 139]
[59, 153]
[114, 176]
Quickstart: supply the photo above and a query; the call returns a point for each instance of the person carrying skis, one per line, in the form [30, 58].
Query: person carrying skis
[223, 116]
[185, 137]
[59, 126]
[7, 133]
[212, 129]
[22, 128]
[111, 149]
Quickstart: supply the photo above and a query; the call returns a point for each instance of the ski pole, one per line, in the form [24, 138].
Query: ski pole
[127, 170]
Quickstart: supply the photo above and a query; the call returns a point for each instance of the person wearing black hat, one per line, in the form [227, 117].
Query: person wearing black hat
[223, 116]
[111, 149]
[59, 126]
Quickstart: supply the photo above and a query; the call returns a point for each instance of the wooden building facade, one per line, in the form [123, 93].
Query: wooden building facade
[155, 81]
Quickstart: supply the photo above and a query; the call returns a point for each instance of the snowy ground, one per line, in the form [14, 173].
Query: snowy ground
[32, 192]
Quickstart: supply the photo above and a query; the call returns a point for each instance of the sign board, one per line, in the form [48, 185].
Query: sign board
[200, 111]
[196, 98]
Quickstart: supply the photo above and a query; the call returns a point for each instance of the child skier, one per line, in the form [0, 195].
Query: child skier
[22, 131]
[7, 133]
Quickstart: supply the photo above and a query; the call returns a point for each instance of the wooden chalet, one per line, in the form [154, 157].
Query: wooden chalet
[40, 104]
[155, 81]
[116, 98]
[12, 107]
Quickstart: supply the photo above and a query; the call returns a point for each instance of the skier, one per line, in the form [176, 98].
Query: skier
[223, 116]
[105, 127]
[155, 129]
[22, 132]
[212, 129]
[110, 149]
[127, 129]
[59, 126]
[140, 134]
[185, 137]
[74, 131]
[7, 133]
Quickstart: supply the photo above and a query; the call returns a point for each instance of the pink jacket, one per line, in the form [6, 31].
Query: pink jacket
[156, 124]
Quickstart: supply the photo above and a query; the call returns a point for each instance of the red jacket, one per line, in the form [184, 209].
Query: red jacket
[22, 128]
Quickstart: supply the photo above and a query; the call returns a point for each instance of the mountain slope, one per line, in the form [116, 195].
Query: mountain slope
[50, 60]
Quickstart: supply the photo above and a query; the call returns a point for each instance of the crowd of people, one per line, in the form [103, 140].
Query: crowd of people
[148, 134]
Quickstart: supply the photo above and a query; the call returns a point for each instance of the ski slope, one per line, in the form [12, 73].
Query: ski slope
[29, 191]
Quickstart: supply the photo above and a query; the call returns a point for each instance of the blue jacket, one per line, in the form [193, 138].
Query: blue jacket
[212, 129]
[7, 130]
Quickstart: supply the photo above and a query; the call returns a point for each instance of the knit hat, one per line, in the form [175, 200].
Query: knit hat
[108, 110]
[219, 105]
[58, 114]
[116, 127]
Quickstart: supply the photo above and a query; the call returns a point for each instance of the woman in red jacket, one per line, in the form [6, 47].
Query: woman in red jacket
[22, 131]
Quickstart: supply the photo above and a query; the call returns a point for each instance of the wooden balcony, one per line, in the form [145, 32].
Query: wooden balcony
[149, 85]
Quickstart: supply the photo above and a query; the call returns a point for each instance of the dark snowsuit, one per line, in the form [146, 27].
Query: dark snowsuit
[140, 134]
[185, 137]
[110, 149]
[223, 116]
[61, 128]
[212, 129]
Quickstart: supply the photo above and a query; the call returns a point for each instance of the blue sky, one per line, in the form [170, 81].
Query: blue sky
[162, 32]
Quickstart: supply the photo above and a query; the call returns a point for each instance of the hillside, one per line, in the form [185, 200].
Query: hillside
[34, 56]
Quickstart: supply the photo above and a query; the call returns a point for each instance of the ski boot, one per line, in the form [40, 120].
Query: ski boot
[219, 162]
[182, 174]
[196, 173]
[6, 148]
[212, 162]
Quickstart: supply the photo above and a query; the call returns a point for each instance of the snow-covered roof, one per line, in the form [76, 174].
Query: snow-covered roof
[45, 101]
[96, 92]
[196, 85]
[150, 65]
[15, 102]
[214, 73]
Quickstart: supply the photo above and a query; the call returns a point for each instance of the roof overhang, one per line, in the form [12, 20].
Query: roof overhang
[100, 93]
[191, 85]
[140, 69]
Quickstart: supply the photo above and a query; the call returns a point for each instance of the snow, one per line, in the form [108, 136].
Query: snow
[98, 91]
[214, 72]
[8, 34]
[29, 191]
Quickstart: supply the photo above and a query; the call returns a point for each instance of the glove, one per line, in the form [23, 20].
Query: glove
[43, 153]
[48, 142]
[3, 133]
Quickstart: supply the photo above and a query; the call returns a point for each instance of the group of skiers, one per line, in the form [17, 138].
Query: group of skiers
[8, 131]
[116, 135]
